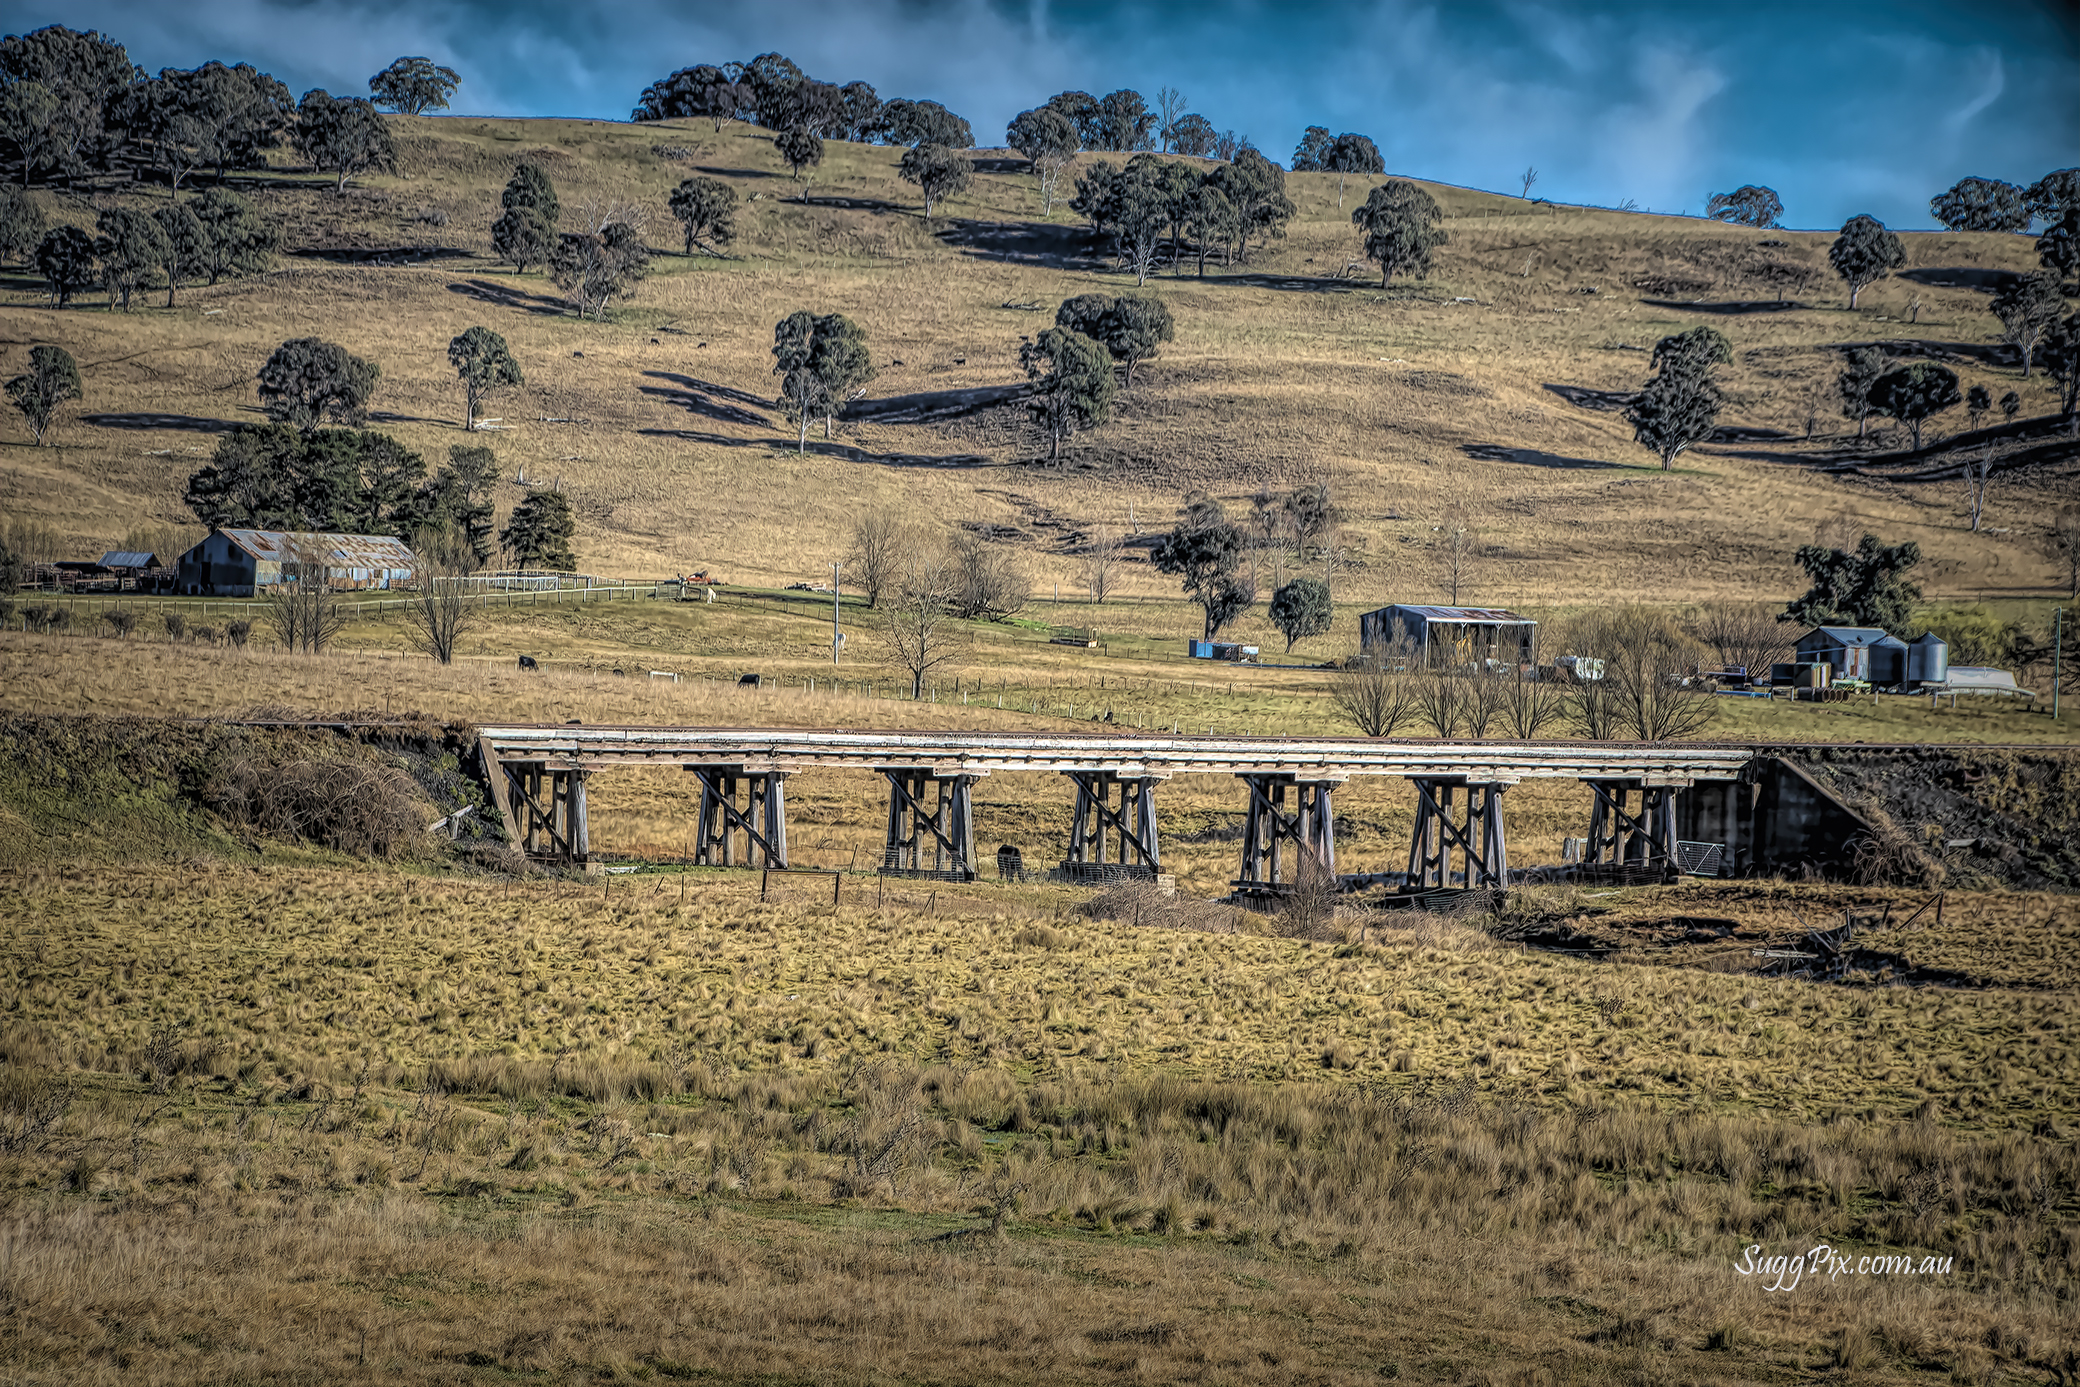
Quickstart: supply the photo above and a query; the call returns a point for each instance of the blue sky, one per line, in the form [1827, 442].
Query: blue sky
[1842, 106]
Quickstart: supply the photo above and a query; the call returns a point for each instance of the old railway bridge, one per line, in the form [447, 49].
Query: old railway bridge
[1645, 798]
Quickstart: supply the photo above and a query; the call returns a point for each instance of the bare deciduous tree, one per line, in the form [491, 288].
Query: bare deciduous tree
[443, 606]
[1649, 674]
[992, 581]
[1441, 698]
[1455, 555]
[1377, 693]
[303, 609]
[1531, 701]
[879, 540]
[1101, 561]
[1744, 637]
[919, 630]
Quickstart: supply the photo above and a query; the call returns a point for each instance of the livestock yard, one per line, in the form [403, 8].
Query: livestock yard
[613, 977]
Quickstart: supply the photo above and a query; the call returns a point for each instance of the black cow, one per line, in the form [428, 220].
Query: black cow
[1011, 864]
[750, 681]
[529, 662]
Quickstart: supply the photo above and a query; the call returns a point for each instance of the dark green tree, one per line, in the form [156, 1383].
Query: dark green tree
[83, 75]
[1864, 253]
[1301, 609]
[237, 240]
[1210, 218]
[1748, 205]
[459, 498]
[1865, 586]
[131, 248]
[860, 111]
[1980, 204]
[1311, 155]
[1097, 195]
[1349, 154]
[1124, 123]
[801, 148]
[707, 212]
[530, 187]
[1860, 372]
[2053, 195]
[483, 363]
[1142, 209]
[822, 360]
[28, 116]
[52, 380]
[1049, 142]
[595, 268]
[1073, 384]
[2059, 353]
[1193, 134]
[65, 258]
[939, 171]
[1206, 552]
[1978, 403]
[275, 477]
[539, 532]
[523, 236]
[1915, 394]
[2028, 307]
[1256, 188]
[705, 92]
[1402, 226]
[172, 120]
[21, 225]
[2058, 249]
[1081, 110]
[307, 381]
[1131, 327]
[342, 135]
[1679, 407]
[187, 245]
[414, 86]
[916, 123]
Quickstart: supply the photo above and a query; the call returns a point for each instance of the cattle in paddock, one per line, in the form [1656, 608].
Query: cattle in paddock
[529, 662]
[750, 681]
[1011, 863]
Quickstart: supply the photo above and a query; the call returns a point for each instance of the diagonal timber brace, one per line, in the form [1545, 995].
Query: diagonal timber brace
[1129, 828]
[1267, 830]
[1481, 847]
[762, 819]
[931, 832]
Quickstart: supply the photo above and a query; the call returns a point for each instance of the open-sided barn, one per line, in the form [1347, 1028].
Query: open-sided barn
[242, 563]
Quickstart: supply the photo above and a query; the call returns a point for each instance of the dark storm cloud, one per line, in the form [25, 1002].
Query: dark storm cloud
[1843, 108]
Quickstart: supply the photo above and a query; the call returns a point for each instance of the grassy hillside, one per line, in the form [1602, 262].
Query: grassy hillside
[1410, 402]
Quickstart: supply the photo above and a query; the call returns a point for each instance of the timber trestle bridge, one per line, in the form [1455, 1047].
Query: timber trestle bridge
[1638, 791]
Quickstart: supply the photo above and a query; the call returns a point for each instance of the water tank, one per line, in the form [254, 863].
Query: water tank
[1928, 659]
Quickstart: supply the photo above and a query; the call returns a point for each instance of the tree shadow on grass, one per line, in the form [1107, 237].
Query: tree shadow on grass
[786, 447]
[1057, 246]
[381, 255]
[937, 406]
[1533, 457]
[698, 397]
[507, 296]
[1729, 308]
[146, 420]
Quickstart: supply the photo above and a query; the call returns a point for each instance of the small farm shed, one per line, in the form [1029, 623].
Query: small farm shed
[242, 563]
[130, 562]
[1855, 652]
[1462, 634]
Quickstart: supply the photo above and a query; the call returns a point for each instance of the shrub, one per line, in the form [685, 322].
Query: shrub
[351, 806]
[122, 621]
[238, 632]
[176, 625]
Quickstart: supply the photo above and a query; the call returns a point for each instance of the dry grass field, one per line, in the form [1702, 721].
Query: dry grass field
[1409, 402]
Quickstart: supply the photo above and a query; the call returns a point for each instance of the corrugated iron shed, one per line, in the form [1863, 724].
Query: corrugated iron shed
[1463, 616]
[379, 553]
[130, 558]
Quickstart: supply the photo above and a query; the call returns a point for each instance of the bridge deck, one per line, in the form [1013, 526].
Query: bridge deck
[1125, 756]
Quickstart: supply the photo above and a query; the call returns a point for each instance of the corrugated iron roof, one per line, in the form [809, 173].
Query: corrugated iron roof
[1856, 637]
[1470, 616]
[340, 551]
[129, 558]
